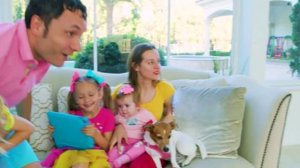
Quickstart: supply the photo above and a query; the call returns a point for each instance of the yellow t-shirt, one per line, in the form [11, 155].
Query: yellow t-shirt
[164, 91]
[7, 119]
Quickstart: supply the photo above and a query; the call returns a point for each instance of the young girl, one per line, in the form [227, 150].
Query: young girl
[89, 96]
[133, 119]
[14, 130]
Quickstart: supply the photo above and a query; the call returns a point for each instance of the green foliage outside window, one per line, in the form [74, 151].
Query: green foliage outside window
[295, 51]
[110, 57]
[219, 53]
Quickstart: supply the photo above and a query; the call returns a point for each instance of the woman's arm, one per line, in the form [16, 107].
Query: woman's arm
[23, 129]
[168, 116]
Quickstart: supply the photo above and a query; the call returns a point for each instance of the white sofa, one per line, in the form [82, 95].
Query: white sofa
[263, 124]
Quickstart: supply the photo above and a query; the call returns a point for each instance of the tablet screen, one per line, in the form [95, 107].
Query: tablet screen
[68, 131]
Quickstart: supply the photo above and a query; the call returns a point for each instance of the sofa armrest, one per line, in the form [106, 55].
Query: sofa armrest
[264, 122]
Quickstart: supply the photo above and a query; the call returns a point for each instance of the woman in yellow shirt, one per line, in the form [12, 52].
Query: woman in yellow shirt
[154, 94]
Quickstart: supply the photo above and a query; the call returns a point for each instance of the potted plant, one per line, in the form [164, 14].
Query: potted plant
[295, 50]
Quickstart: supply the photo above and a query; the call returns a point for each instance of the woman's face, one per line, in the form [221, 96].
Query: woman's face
[149, 68]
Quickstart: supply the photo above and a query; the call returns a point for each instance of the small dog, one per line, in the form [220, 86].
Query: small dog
[161, 138]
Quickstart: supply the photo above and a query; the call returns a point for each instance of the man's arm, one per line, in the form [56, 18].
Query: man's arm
[24, 107]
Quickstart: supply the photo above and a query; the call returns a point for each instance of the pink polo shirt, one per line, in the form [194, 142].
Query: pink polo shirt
[19, 71]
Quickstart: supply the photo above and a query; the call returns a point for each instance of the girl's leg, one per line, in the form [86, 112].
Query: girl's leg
[65, 159]
[51, 157]
[33, 165]
[97, 159]
[133, 152]
[23, 155]
[4, 161]
[113, 154]
[100, 163]
[81, 165]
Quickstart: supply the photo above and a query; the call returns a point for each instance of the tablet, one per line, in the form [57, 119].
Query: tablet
[68, 131]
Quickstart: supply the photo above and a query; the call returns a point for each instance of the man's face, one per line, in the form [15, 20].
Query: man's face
[62, 38]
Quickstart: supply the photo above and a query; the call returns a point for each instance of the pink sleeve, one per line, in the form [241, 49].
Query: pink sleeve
[149, 116]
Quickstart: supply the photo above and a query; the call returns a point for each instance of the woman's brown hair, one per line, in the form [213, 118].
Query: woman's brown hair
[135, 58]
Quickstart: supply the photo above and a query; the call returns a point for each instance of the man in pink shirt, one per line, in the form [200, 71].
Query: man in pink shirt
[51, 31]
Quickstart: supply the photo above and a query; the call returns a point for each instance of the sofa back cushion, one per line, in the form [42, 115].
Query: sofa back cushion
[213, 116]
[41, 139]
[200, 83]
[172, 73]
[62, 99]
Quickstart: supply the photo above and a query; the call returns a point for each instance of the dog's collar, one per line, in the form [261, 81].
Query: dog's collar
[164, 155]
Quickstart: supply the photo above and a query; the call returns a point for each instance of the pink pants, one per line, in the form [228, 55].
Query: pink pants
[133, 149]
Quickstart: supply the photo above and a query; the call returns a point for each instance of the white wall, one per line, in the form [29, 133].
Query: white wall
[250, 36]
[280, 24]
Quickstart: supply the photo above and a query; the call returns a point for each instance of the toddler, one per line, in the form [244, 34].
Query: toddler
[133, 119]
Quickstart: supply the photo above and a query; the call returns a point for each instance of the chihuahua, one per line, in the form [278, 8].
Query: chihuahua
[163, 142]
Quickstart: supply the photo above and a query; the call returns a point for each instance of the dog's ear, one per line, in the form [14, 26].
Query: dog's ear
[173, 124]
[148, 127]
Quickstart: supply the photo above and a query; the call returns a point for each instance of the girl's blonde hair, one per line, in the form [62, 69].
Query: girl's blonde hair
[2, 114]
[2, 122]
[1, 107]
[105, 88]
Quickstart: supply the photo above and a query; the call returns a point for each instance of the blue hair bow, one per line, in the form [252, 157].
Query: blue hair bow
[91, 74]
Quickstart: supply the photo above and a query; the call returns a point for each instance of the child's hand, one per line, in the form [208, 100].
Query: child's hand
[90, 130]
[118, 135]
[50, 129]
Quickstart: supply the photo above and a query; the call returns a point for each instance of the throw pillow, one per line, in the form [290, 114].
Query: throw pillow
[41, 139]
[211, 82]
[62, 99]
[212, 115]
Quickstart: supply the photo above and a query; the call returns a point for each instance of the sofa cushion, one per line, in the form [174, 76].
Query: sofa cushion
[62, 99]
[212, 82]
[239, 162]
[212, 115]
[41, 139]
